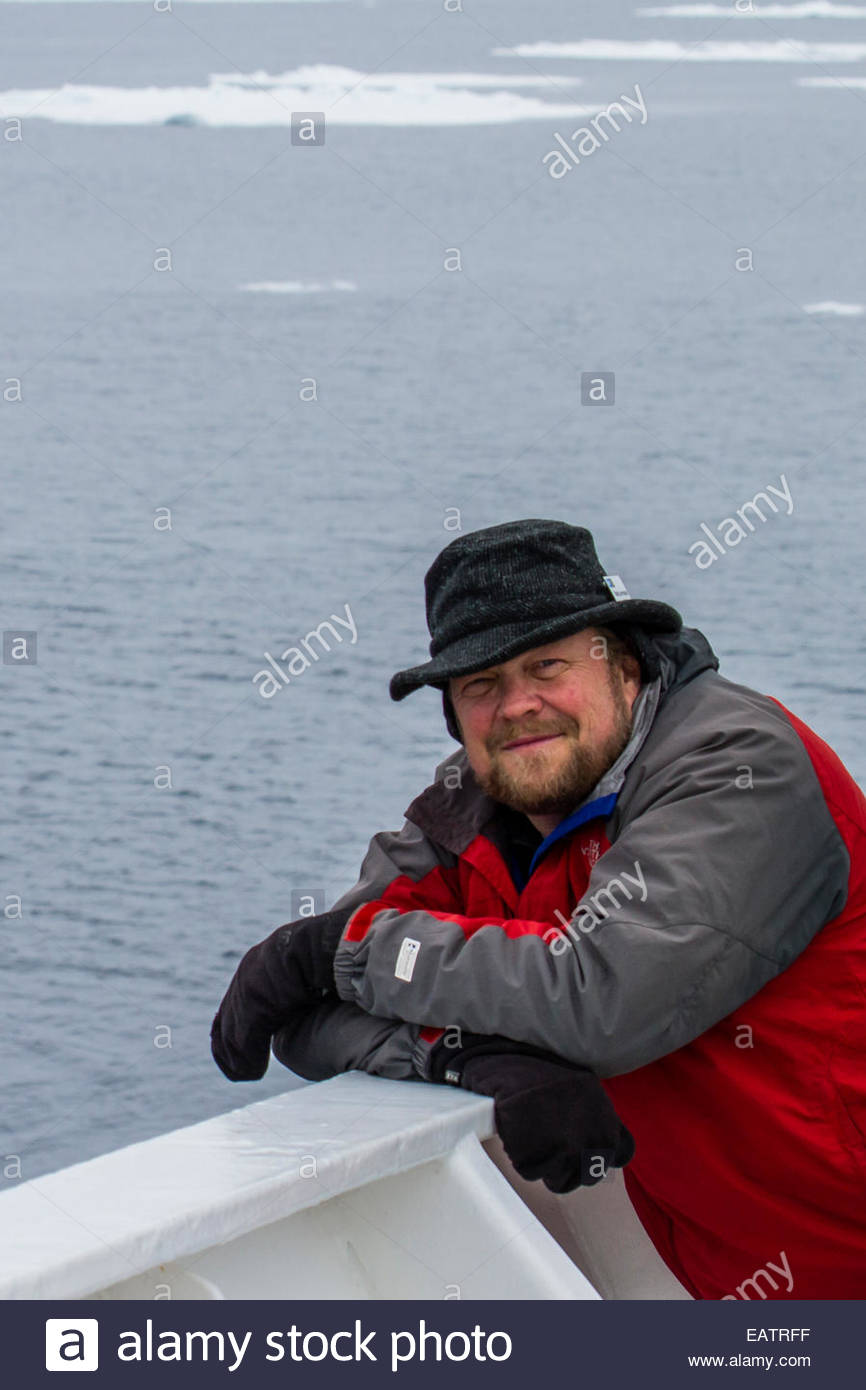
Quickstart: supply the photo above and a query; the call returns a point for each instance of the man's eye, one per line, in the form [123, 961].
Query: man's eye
[475, 686]
[550, 661]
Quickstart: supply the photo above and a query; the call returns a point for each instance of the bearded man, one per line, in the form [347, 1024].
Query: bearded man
[632, 909]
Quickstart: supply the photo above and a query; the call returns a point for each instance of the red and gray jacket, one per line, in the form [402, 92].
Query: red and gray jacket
[695, 932]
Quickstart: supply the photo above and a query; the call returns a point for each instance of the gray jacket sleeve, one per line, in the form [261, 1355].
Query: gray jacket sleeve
[716, 880]
[335, 1037]
[339, 1036]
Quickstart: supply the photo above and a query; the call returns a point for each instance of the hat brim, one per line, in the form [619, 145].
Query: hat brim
[478, 650]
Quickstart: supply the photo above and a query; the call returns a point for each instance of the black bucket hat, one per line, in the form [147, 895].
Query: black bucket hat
[495, 593]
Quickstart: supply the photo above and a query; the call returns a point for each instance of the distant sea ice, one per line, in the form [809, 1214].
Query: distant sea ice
[832, 306]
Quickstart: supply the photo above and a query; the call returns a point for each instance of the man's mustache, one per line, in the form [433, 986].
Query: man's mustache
[530, 733]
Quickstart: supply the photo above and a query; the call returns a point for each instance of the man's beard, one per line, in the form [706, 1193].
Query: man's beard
[566, 786]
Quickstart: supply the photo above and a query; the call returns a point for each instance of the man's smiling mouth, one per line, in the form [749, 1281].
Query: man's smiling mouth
[530, 741]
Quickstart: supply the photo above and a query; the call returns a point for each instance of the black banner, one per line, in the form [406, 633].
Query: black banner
[497, 1344]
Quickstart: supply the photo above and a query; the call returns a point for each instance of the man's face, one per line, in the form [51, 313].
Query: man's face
[541, 729]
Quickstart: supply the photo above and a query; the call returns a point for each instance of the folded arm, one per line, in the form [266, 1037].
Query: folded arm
[333, 1037]
[709, 892]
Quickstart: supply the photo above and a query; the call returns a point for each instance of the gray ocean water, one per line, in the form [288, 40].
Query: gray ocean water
[445, 398]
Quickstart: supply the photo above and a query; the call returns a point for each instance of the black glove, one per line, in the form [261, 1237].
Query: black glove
[290, 970]
[554, 1118]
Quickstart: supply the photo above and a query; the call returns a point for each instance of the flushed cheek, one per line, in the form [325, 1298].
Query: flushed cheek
[477, 752]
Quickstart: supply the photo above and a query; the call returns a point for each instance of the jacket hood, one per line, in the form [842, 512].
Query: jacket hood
[682, 656]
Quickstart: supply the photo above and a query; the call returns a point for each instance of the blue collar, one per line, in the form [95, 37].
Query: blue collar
[602, 806]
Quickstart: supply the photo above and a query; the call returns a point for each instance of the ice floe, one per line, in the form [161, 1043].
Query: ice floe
[832, 306]
[297, 286]
[784, 50]
[346, 96]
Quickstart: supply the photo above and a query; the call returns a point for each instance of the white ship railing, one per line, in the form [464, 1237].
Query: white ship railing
[354, 1188]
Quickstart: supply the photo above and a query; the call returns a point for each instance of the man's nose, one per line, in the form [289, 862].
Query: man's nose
[517, 699]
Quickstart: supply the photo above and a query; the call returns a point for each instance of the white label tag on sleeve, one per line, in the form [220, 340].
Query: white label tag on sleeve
[406, 958]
